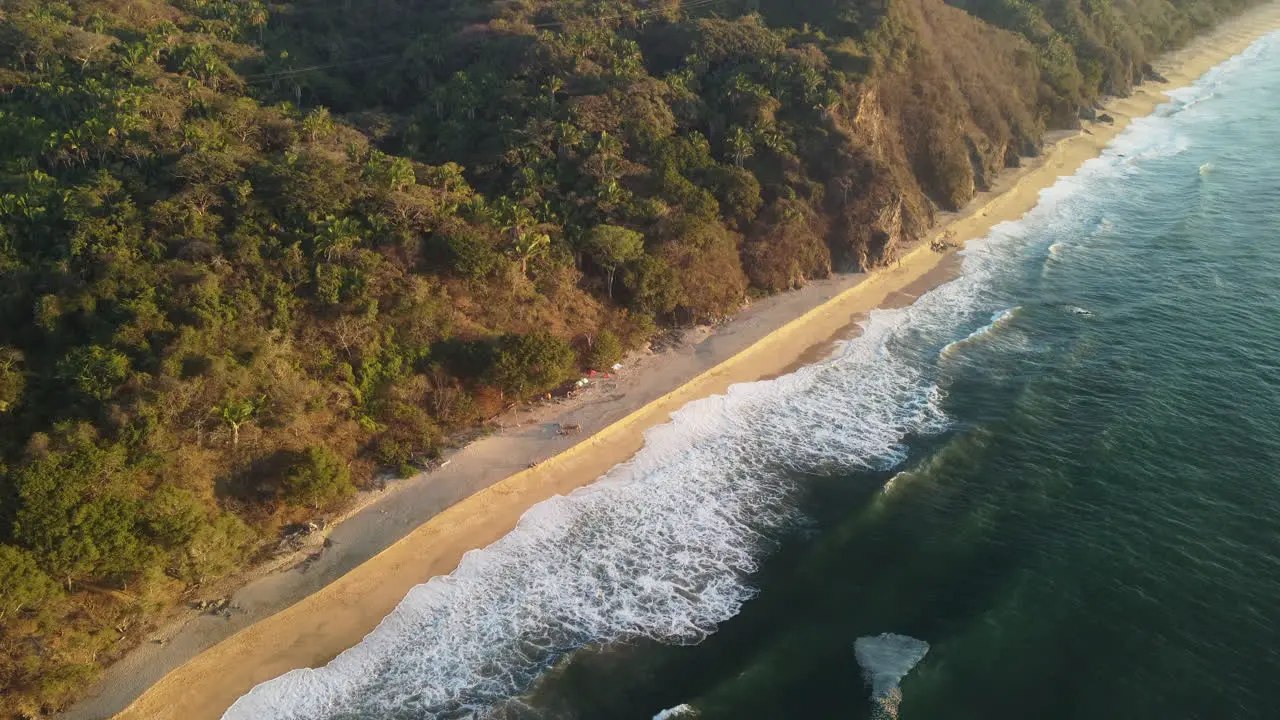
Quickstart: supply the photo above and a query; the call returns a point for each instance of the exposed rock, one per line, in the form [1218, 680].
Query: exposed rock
[1088, 113]
[888, 234]
[986, 159]
[1106, 118]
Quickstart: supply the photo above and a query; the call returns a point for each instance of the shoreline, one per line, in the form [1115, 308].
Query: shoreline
[303, 617]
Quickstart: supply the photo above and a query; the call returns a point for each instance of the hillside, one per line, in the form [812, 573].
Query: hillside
[250, 254]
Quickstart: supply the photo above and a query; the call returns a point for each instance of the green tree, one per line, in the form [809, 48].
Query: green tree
[217, 548]
[392, 173]
[467, 251]
[104, 540]
[319, 479]
[70, 514]
[336, 237]
[317, 124]
[256, 16]
[173, 516]
[22, 584]
[740, 145]
[611, 246]
[527, 246]
[94, 370]
[47, 311]
[203, 62]
[653, 285]
[12, 380]
[235, 412]
[532, 363]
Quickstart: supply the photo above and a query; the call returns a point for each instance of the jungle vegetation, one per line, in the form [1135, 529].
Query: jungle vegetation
[253, 251]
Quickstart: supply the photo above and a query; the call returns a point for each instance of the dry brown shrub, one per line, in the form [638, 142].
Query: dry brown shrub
[785, 248]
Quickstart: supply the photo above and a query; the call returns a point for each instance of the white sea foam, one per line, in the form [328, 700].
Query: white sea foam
[662, 547]
[679, 711]
[885, 660]
[892, 482]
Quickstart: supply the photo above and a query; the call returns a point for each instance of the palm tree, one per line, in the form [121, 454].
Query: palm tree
[236, 413]
[528, 245]
[257, 16]
[203, 63]
[554, 85]
[317, 123]
[336, 236]
[740, 145]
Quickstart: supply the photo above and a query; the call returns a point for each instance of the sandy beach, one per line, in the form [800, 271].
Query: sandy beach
[303, 614]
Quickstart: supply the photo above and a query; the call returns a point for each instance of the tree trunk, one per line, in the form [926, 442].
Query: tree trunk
[610, 282]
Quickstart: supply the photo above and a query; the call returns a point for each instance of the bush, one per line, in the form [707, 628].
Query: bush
[65, 681]
[705, 261]
[410, 438]
[786, 248]
[173, 515]
[94, 370]
[652, 286]
[466, 252]
[533, 363]
[605, 351]
[319, 479]
[217, 548]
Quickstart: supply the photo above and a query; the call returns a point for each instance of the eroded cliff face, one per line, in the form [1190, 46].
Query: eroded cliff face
[951, 103]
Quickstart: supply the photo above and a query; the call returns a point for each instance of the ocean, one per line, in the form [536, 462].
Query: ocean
[1060, 470]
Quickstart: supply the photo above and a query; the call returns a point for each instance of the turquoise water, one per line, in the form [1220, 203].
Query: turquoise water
[1061, 470]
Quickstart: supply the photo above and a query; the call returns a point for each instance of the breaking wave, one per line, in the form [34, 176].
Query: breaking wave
[998, 320]
[663, 546]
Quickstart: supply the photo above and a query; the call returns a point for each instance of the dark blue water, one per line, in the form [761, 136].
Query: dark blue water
[1061, 470]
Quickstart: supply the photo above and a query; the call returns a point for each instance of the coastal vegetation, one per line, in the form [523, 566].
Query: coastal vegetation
[254, 253]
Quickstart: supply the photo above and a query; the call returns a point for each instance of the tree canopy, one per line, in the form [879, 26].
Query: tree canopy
[252, 252]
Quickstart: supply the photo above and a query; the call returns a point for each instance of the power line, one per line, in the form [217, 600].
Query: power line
[268, 77]
[282, 74]
[623, 16]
